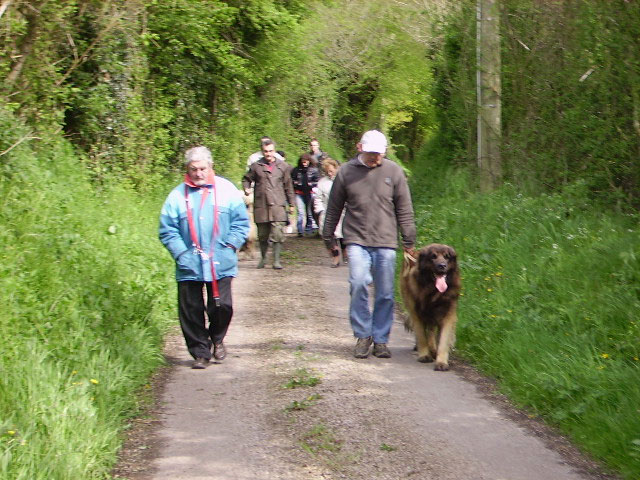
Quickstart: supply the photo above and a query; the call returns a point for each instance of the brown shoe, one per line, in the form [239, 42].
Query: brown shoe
[219, 351]
[362, 347]
[200, 364]
[381, 350]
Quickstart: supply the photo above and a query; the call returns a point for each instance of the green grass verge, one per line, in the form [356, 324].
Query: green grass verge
[83, 309]
[550, 304]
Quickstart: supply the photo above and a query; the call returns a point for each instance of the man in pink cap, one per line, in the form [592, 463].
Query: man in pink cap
[374, 192]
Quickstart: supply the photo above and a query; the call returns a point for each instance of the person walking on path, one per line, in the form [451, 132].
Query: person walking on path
[320, 202]
[375, 193]
[255, 156]
[203, 223]
[317, 154]
[272, 192]
[305, 178]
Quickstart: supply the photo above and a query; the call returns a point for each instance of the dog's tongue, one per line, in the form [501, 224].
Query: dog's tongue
[441, 283]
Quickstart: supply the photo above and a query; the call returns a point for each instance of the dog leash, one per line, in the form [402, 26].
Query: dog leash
[409, 257]
[194, 237]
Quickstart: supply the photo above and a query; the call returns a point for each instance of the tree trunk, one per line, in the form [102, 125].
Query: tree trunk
[489, 91]
[25, 47]
[4, 6]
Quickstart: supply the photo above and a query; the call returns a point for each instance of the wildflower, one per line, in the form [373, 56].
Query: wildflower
[489, 289]
[604, 355]
[636, 358]
[94, 381]
[74, 372]
[11, 432]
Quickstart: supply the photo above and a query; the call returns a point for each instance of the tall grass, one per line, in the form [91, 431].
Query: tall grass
[550, 305]
[83, 309]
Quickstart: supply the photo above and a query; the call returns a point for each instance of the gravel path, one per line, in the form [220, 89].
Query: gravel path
[346, 418]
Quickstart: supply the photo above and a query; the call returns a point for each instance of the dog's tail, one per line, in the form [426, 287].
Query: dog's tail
[409, 261]
[408, 324]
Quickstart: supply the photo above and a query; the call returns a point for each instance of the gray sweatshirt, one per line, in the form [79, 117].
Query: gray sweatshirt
[377, 203]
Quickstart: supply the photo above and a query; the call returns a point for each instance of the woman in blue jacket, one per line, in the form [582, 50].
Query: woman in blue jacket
[203, 223]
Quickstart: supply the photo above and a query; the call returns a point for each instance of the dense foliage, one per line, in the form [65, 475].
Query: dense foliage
[134, 83]
[83, 312]
[550, 303]
[570, 96]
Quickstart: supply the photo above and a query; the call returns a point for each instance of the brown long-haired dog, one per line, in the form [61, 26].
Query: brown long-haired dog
[430, 286]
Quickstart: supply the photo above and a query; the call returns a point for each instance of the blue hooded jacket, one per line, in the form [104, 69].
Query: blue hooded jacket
[233, 228]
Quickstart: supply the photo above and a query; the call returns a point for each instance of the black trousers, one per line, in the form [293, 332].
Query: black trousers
[191, 311]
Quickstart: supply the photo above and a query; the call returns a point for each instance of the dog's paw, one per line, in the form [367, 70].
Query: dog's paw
[441, 367]
[425, 359]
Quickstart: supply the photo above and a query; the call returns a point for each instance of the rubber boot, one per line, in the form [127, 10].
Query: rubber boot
[277, 248]
[264, 246]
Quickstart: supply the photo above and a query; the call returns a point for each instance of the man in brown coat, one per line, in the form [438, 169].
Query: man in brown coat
[272, 192]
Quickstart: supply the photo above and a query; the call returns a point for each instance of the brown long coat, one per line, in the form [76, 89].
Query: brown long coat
[272, 190]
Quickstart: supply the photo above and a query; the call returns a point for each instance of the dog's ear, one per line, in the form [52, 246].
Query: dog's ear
[452, 253]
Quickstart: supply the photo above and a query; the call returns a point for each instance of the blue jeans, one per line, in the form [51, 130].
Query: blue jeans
[367, 264]
[304, 204]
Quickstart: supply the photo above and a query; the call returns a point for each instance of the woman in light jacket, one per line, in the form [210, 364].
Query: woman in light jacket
[321, 199]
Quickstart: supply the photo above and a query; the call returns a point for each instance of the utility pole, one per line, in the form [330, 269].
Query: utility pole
[489, 90]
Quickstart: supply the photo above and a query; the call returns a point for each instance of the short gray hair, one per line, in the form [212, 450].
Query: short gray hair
[196, 154]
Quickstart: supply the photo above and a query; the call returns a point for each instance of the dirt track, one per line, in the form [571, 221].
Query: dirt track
[364, 419]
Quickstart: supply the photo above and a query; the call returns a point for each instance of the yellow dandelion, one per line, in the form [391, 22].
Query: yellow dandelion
[74, 372]
[11, 432]
[94, 381]
[604, 355]
[489, 289]
[636, 358]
